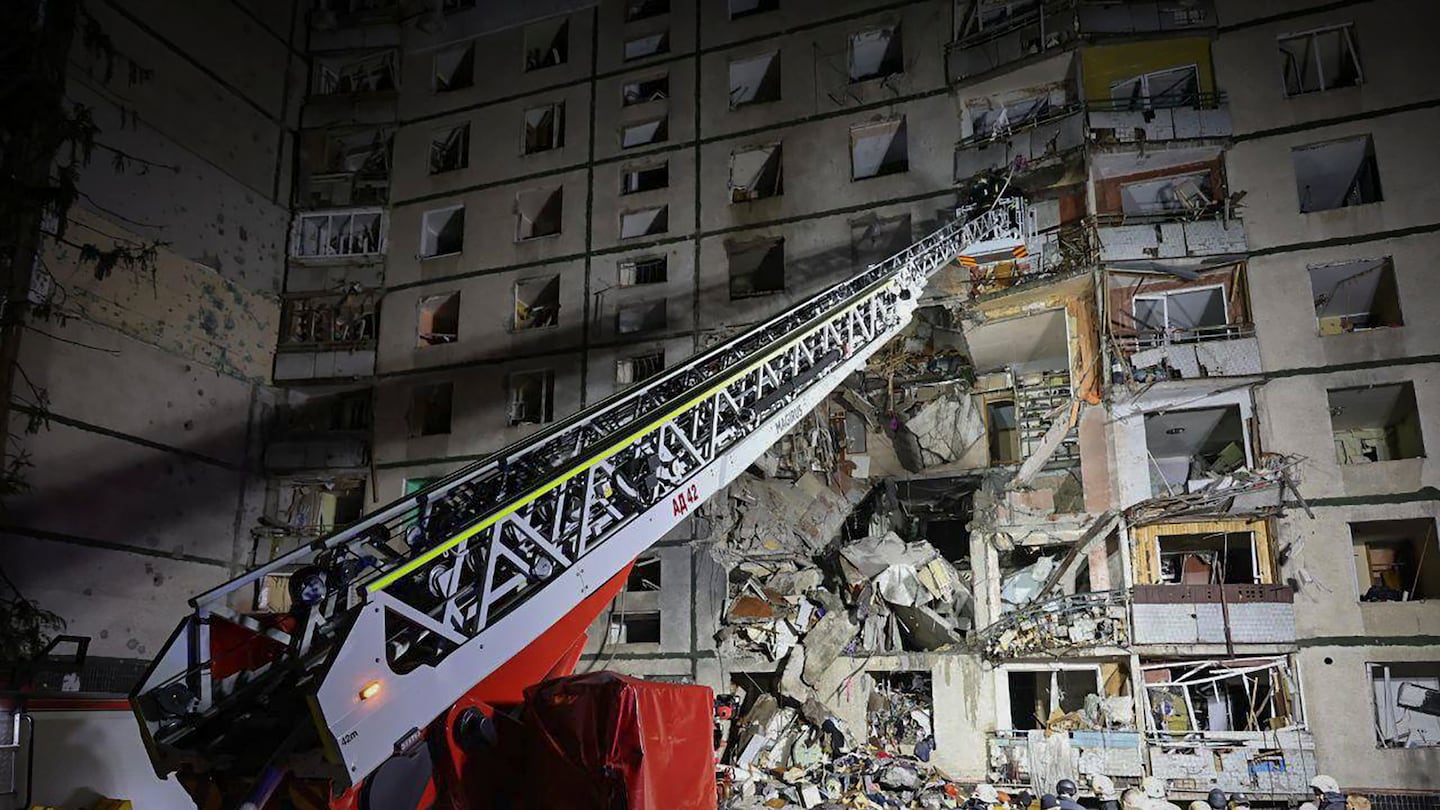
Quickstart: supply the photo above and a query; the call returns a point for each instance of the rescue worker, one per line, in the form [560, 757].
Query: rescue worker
[1066, 794]
[1199, 804]
[1239, 801]
[1327, 793]
[1049, 801]
[1154, 788]
[1132, 799]
[1216, 799]
[1104, 788]
[985, 797]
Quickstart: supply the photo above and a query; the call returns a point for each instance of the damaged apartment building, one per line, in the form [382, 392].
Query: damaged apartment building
[1149, 496]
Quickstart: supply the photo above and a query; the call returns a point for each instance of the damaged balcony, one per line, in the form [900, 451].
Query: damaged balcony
[345, 167]
[321, 432]
[1138, 95]
[1030, 134]
[1167, 204]
[995, 33]
[1181, 116]
[1169, 321]
[328, 335]
[1208, 586]
[1233, 723]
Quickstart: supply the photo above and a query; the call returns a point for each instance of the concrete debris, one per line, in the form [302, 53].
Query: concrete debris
[1258, 490]
[1023, 585]
[946, 428]
[899, 714]
[1055, 625]
[824, 643]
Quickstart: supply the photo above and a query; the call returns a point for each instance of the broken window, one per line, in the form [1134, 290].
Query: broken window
[1407, 703]
[547, 44]
[1188, 449]
[1189, 193]
[1215, 558]
[644, 9]
[644, 576]
[640, 367]
[361, 152]
[755, 174]
[1336, 174]
[349, 233]
[878, 149]
[756, 268]
[644, 132]
[1037, 695]
[455, 68]
[634, 319]
[346, 168]
[450, 149]
[1171, 87]
[874, 239]
[372, 73]
[537, 303]
[1396, 560]
[1356, 295]
[644, 222]
[544, 128]
[744, 8]
[430, 407]
[538, 212]
[344, 318]
[531, 397]
[635, 179]
[999, 121]
[1375, 423]
[755, 80]
[1179, 316]
[438, 319]
[635, 628]
[876, 54]
[656, 88]
[442, 232]
[1320, 60]
[647, 45]
[1003, 431]
[644, 270]
[1254, 694]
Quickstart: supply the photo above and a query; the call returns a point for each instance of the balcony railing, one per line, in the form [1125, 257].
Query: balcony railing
[1058, 626]
[1170, 233]
[1163, 101]
[1213, 614]
[1179, 336]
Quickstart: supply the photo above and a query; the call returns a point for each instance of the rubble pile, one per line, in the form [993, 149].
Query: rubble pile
[1057, 625]
[782, 757]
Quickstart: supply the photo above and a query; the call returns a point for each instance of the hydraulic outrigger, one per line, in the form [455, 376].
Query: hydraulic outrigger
[484, 582]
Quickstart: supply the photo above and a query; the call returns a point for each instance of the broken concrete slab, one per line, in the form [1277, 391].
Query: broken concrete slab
[824, 643]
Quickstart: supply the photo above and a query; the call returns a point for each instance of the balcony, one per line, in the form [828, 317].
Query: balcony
[328, 336]
[1078, 623]
[1188, 615]
[991, 42]
[1019, 757]
[350, 234]
[1168, 235]
[1192, 116]
[1056, 132]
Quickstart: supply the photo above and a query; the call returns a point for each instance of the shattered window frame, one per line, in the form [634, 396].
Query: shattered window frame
[640, 178]
[528, 227]
[449, 78]
[450, 149]
[519, 411]
[437, 311]
[894, 130]
[1173, 698]
[370, 73]
[1424, 684]
[645, 46]
[1142, 94]
[1363, 188]
[891, 61]
[1166, 333]
[644, 91]
[536, 303]
[544, 128]
[1386, 441]
[334, 234]
[765, 88]
[438, 227]
[1411, 549]
[755, 185]
[1384, 310]
[1296, 78]
[639, 223]
[547, 44]
[660, 133]
[770, 268]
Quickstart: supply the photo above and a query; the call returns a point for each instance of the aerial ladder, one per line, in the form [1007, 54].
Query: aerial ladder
[462, 594]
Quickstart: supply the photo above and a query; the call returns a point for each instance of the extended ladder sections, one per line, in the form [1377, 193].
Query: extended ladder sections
[402, 613]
